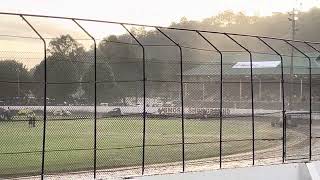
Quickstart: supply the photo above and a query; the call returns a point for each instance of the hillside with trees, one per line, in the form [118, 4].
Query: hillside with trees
[70, 65]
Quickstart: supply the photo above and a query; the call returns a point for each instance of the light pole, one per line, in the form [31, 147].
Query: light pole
[293, 18]
[18, 76]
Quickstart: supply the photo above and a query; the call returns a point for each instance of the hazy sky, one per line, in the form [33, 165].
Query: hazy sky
[156, 12]
[160, 12]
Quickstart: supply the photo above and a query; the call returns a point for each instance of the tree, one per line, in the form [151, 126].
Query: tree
[123, 64]
[66, 46]
[13, 77]
[61, 77]
[105, 83]
[112, 49]
[64, 68]
[119, 56]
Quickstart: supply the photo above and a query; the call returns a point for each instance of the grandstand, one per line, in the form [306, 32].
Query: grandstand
[202, 81]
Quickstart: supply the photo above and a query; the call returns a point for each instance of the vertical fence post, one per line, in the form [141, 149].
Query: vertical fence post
[221, 88]
[252, 100]
[44, 96]
[144, 95]
[311, 91]
[282, 98]
[182, 98]
[95, 98]
[310, 98]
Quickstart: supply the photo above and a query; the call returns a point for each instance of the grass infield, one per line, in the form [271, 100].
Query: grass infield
[69, 143]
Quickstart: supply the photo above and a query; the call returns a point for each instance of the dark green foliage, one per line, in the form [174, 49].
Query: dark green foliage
[61, 77]
[13, 76]
[64, 68]
[105, 83]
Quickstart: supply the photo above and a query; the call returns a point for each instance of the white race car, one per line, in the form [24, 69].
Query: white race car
[61, 112]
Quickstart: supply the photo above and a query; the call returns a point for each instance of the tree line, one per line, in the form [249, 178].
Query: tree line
[70, 73]
[70, 67]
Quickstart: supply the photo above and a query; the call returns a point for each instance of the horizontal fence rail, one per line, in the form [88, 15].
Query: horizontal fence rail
[155, 101]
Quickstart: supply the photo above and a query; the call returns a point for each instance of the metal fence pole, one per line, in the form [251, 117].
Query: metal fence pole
[252, 100]
[44, 95]
[310, 83]
[310, 98]
[283, 102]
[221, 88]
[182, 99]
[95, 99]
[144, 95]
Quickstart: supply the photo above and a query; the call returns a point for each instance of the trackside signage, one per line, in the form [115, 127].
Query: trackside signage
[127, 110]
[207, 111]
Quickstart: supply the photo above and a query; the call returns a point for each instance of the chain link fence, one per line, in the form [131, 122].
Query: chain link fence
[98, 99]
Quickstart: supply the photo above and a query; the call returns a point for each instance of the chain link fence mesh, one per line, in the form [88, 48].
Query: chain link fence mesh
[122, 100]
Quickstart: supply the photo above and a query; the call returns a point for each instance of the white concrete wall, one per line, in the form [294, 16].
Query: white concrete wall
[272, 172]
[314, 170]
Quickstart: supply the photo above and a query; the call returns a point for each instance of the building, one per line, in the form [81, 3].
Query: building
[202, 82]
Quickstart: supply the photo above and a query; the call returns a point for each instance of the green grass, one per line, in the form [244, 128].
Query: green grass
[69, 143]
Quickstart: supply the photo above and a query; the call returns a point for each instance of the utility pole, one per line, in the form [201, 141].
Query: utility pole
[293, 18]
[18, 76]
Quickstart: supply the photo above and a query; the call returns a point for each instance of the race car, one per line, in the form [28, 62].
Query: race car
[61, 112]
[25, 112]
[5, 114]
[113, 113]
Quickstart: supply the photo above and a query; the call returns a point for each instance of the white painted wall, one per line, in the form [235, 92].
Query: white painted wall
[272, 172]
[314, 170]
